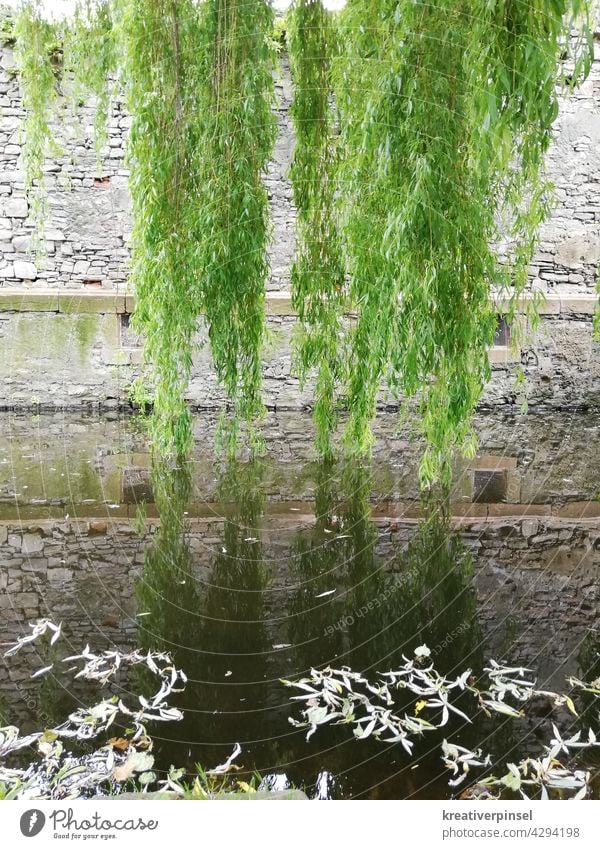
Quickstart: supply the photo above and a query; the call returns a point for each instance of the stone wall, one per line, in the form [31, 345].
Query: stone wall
[89, 209]
[68, 350]
[64, 339]
[89, 221]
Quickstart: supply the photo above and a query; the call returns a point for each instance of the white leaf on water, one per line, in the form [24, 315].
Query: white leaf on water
[423, 651]
[327, 592]
[43, 671]
[223, 768]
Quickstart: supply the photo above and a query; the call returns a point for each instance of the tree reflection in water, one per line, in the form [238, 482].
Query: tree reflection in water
[250, 601]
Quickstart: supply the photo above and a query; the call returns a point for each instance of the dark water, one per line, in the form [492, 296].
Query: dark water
[330, 600]
[261, 594]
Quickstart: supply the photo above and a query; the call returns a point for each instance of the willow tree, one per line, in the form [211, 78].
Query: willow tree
[317, 274]
[198, 84]
[446, 113]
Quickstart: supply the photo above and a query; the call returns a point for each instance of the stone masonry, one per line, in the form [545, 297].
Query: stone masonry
[64, 338]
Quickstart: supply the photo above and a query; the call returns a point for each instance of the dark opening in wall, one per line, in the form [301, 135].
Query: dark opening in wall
[101, 182]
[502, 335]
[136, 486]
[129, 338]
[490, 485]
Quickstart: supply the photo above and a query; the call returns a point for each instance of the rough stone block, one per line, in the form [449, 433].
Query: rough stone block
[32, 543]
[82, 266]
[21, 243]
[530, 527]
[25, 270]
[16, 208]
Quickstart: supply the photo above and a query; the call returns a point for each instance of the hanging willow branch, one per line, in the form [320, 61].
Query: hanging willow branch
[35, 53]
[431, 121]
[91, 57]
[236, 140]
[317, 274]
[163, 73]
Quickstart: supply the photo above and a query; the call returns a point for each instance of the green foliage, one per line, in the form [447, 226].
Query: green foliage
[91, 56]
[236, 139]
[36, 41]
[163, 74]
[317, 275]
[445, 112]
[7, 25]
[435, 101]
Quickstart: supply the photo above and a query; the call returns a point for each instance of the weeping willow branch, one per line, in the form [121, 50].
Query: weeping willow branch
[441, 135]
[317, 275]
[163, 74]
[236, 140]
[91, 56]
[36, 44]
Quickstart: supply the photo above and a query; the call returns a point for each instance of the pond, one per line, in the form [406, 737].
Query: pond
[256, 572]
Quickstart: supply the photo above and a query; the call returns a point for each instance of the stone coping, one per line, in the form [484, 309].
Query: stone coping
[300, 512]
[276, 303]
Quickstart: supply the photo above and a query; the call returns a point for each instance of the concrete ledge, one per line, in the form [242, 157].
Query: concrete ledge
[296, 513]
[279, 303]
[580, 303]
[26, 300]
[91, 302]
[14, 299]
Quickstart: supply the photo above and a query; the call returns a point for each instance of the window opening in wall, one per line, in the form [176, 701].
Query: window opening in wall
[129, 338]
[502, 335]
[490, 485]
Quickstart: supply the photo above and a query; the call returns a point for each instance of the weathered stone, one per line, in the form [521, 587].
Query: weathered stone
[32, 543]
[16, 208]
[35, 565]
[82, 266]
[25, 270]
[21, 243]
[59, 575]
[530, 527]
